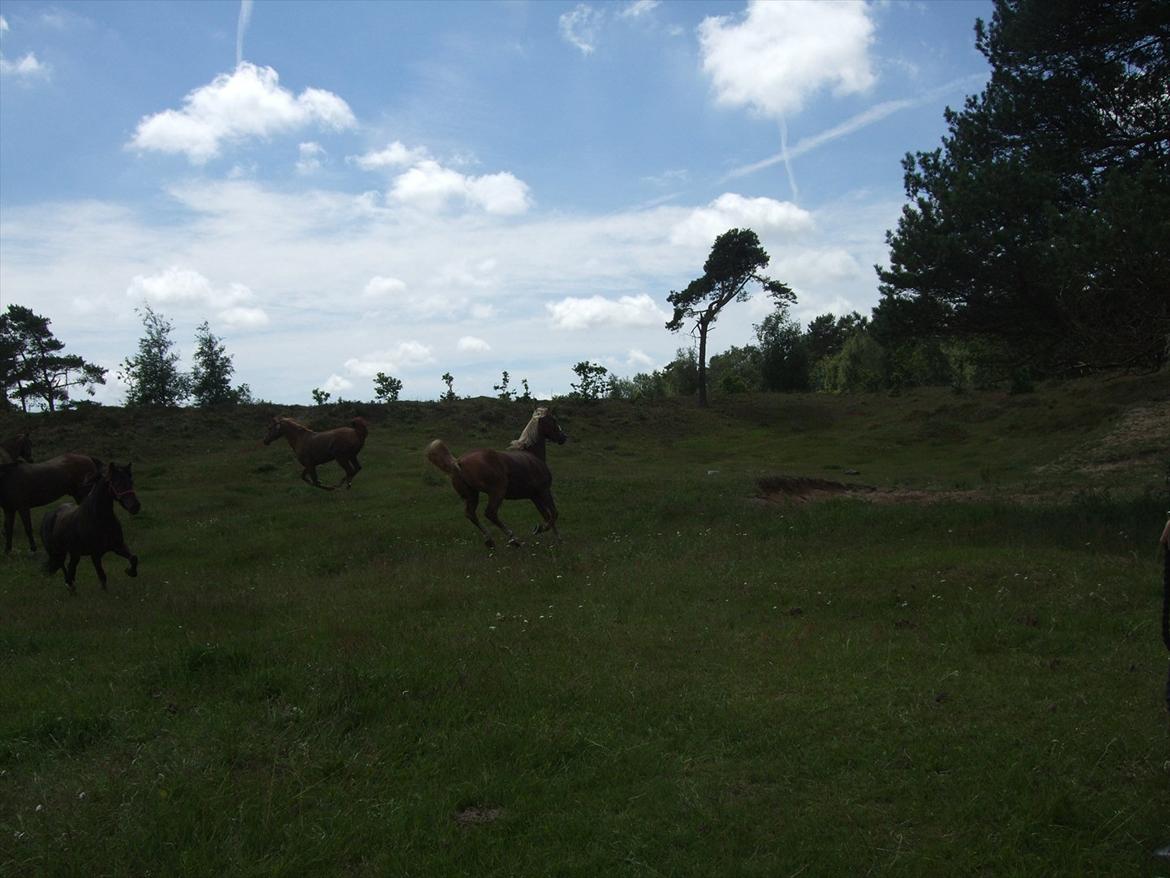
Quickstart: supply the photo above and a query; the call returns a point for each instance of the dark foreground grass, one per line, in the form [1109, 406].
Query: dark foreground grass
[305, 683]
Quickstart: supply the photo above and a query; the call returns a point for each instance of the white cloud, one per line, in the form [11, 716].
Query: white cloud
[396, 155]
[406, 355]
[3, 25]
[638, 8]
[310, 158]
[778, 55]
[27, 67]
[187, 287]
[431, 187]
[574, 313]
[639, 359]
[471, 344]
[581, 26]
[247, 103]
[378, 287]
[335, 384]
[730, 211]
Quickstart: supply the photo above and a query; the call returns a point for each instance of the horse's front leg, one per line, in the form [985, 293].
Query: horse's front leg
[97, 566]
[309, 474]
[125, 552]
[493, 514]
[9, 521]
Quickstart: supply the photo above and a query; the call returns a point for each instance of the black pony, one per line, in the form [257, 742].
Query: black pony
[91, 528]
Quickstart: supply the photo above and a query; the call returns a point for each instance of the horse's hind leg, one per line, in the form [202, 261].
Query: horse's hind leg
[71, 572]
[550, 513]
[493, 514]
[9, 521]
[26, 520]
[470, 501]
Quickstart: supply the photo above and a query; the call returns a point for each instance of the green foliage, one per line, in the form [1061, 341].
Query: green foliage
[784, 353]
[858, 367]
[1043, 221]
[32, 365]
[735, 261]
[152, 376]
[449, 394]
[736, 370]
[320, 397]
[502, 390]
[212, 371]
[386, 387]
[592, 381]
[525, 393]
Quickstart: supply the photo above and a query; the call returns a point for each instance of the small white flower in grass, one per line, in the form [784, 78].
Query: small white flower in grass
[39, 808]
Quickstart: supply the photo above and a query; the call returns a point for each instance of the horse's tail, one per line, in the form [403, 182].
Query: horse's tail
[440, 455]
[362, 428]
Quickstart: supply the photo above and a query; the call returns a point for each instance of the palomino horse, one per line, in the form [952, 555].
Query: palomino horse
[25, 485]
[91, 528]
[19, 447]
[517, 474]
[313, 449]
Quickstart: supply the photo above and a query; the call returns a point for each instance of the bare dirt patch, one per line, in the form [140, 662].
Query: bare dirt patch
[476, 815]
[803, 489]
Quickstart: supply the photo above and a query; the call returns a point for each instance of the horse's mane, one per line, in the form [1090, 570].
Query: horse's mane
[531, 433]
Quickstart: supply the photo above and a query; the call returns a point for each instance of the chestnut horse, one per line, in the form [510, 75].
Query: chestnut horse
[25, 485]
[91, 528]
[313, 449]
[517, 474]
[19, 447]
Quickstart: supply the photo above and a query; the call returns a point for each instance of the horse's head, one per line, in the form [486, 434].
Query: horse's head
[23, 448]
[548, 426]
[275, 431]
[121, 484]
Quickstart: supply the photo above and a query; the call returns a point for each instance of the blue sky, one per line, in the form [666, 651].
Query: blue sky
[347, 188]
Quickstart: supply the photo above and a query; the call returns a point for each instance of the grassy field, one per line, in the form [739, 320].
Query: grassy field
[695, 682]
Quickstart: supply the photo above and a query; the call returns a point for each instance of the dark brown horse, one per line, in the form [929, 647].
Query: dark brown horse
[91, 528]
[313, 449]
[517, 474]
[19, 447]
[25, 485]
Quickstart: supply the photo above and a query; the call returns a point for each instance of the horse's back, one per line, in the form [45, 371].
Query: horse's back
[35, 484]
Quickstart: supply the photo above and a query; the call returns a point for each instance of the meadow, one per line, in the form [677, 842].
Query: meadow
[959, 674]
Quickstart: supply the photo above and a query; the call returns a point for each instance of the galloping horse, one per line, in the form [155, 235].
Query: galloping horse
[91, 528]
[517, 474]
[19, 447]
[313, 449]
[25, 485]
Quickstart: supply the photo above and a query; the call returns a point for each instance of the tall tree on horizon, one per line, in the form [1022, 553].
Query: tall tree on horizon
[152, 376]
[32, 362]
[735, 261]
[211, 373]
[1042, 224]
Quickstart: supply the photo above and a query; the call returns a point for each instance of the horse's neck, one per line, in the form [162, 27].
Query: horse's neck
[296, 434]
[537, 448]
[99, 501]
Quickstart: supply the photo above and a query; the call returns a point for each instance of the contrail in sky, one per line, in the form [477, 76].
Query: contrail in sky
[784, 155]
[861, 120]
[241, 28]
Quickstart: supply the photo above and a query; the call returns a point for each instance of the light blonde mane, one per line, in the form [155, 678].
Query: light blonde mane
[531, 433]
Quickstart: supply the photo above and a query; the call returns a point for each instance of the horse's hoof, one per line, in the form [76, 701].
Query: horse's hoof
[515, 544]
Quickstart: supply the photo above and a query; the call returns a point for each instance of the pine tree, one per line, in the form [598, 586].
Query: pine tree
[152, 376]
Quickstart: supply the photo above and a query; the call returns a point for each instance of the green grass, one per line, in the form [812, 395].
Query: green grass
[693, 683]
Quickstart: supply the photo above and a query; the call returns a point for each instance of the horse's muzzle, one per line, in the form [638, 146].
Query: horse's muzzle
[130, 503]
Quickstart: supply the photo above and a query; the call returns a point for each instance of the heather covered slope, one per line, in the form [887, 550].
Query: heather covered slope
[347, 683]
